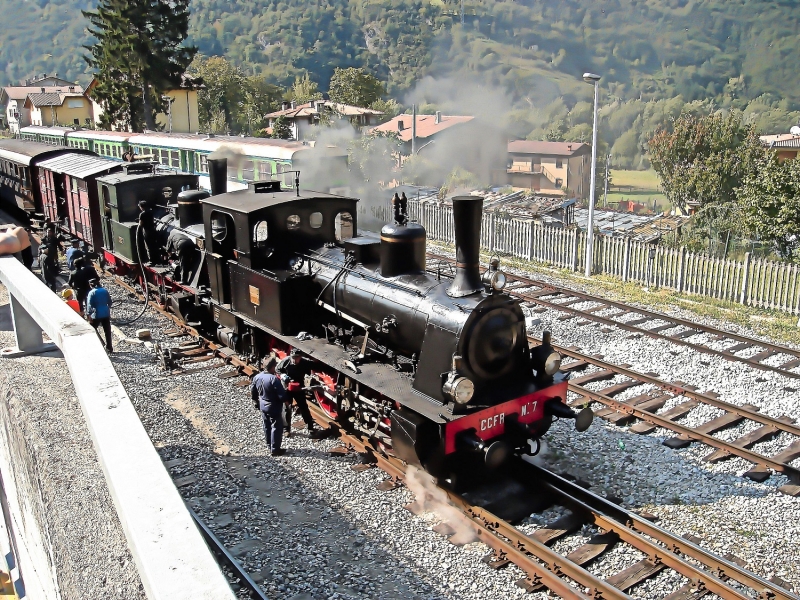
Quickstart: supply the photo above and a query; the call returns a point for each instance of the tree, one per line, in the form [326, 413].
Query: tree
[258, 99]
[243, 100]
[390, 109]
[304, 90]
[704, 159]
[223, 84]
[769, 202]
[281, 129]
[138, 56]
[355, 87]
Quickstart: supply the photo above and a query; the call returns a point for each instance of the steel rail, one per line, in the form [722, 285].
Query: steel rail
[754, 457]
[609, 516]
[525, 555]
[680, 390]
[657, 335]
[651, 315]
[218, 548]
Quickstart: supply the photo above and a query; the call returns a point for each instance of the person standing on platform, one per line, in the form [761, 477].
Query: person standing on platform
[51, 240]
[293, 371]
[98, 308]
[80, 280]
[69, 298]
[269, 396]
[48, 264]
[74, 252]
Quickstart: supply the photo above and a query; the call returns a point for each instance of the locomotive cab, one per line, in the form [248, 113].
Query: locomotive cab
[257, 246]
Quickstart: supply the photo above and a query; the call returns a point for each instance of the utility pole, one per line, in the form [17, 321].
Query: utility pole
[605, 191]
[413, 129]
[462, 12]
[594, 80]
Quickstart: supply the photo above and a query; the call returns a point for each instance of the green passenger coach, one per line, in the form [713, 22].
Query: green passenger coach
[322, 168]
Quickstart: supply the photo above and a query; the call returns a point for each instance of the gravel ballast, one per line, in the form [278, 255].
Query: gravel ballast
[88, 545]
[307, 525]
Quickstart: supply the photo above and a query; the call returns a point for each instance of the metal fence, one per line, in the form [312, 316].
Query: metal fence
[752, 282]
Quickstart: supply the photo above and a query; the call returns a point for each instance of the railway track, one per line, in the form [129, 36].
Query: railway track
[758, 354]
[568, 576]
[641, 411]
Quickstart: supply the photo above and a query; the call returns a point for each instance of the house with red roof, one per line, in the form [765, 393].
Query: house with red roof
[550, 168]
[453, 141]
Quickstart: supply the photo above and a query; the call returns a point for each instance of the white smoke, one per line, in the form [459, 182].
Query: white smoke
[429, 497]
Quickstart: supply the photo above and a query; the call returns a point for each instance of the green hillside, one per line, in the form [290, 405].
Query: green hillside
[518, 61]
[731, 51]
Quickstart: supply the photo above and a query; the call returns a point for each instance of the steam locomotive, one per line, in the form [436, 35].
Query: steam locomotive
[436, 370]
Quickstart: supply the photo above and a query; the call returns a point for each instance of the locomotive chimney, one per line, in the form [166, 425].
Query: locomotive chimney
[218, 173]
[467, 213]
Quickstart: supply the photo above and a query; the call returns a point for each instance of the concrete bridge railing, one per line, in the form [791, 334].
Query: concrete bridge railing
[171, 556]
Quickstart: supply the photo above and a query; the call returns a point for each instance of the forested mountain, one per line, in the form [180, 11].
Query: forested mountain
[648, 47]
[731, 51]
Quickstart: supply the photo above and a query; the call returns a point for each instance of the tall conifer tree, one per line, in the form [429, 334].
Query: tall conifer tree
[137, 57]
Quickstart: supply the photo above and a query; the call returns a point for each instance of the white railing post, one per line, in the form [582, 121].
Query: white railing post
[27, 332]
[574, 258]
[681, 268]
[745, 278]
[626, 260]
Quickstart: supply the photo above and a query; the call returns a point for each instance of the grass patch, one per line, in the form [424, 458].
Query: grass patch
[641, 180]
[640, 186]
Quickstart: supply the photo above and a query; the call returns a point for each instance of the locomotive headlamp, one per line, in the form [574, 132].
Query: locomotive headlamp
[545, 360]
[494, 278]
[552, 363]
[459, 389]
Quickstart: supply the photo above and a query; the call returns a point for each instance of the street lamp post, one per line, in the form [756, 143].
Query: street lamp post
[169, 100]
[594, 79]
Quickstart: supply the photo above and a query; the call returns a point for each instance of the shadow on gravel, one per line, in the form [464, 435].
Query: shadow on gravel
[287, 537]
[6, 323]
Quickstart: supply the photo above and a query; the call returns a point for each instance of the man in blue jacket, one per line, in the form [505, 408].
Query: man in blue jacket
[269, 396]
[98, 309]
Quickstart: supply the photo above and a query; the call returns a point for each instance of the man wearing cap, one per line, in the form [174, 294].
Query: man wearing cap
[269, 396]
[293, 371]
[80, 278]
[98, 309]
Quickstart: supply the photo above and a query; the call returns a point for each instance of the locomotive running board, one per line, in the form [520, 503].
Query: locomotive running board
[380, 377]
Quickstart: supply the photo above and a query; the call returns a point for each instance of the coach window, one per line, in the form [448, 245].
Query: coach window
[248, 170]
[343, 224]
[315, 220]
[175, 159]
[264, 171]
[293, 222]
[203, 163]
